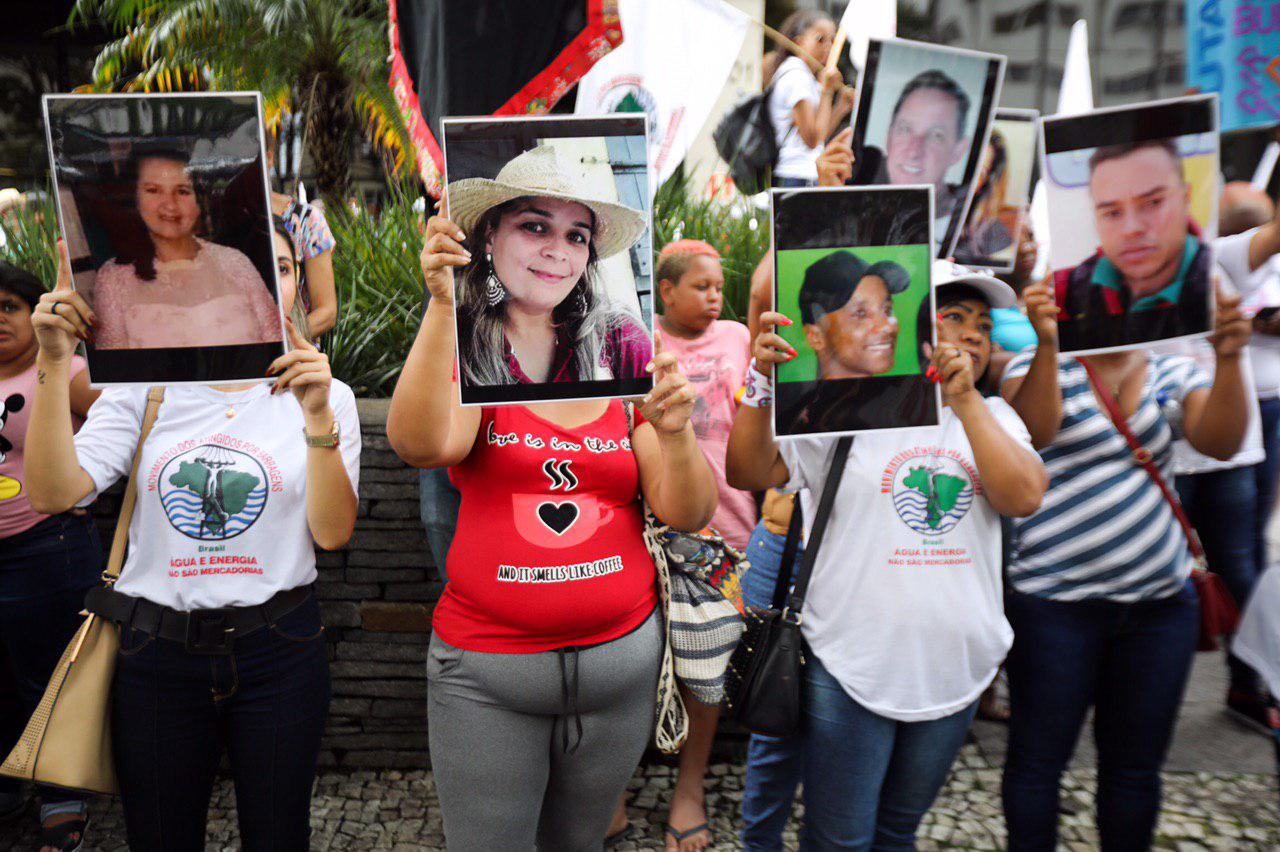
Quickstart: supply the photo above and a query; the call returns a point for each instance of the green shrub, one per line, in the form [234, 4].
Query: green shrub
[379, 282]
[30, 237]
[738, 230]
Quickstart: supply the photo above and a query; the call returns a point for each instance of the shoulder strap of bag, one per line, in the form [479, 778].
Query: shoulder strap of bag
[795, 601]
[1143, 457]
[789, 547]
[121, 538]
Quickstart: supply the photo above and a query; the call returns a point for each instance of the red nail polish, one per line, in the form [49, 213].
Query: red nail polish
[786, 321]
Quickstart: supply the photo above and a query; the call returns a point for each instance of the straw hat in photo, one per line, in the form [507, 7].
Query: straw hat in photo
[544, 172]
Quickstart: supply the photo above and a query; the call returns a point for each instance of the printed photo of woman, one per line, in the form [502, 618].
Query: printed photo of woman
[163, 205]
[168, 287]
[537, 320]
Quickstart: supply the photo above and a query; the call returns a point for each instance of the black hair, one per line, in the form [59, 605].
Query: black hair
[938, 81]
[133, 244]
[20, 283]
[1115, 152]
[830, 283]
[793, 27]
[926, 319]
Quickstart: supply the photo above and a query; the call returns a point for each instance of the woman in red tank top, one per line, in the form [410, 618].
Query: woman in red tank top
[544, 657]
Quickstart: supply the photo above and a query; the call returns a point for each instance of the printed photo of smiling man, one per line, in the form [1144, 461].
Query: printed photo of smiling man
[163, 205]
[924, 113]
[556, 303]
[1133, 214]
[853, 274]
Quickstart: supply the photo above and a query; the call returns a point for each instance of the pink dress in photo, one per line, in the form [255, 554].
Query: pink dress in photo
[215, 299]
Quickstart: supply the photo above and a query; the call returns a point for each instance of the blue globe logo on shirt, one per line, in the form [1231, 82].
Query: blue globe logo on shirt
[931, 493]
[211, 493]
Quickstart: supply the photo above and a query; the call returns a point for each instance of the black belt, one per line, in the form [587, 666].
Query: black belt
[201, 631]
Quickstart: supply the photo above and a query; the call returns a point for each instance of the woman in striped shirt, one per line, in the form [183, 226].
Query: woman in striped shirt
[1102, 608]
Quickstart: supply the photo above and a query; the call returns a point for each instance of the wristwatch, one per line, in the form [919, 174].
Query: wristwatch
[328, 440]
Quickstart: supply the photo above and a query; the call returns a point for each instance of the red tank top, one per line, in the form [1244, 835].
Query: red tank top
[549, 551]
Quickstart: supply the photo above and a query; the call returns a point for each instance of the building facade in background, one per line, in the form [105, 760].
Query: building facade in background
[1137, 48]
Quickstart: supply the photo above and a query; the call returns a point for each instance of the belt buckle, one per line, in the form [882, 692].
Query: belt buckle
[208, 632]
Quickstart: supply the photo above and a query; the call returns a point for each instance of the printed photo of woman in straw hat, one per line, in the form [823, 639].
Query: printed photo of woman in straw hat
[542, 312]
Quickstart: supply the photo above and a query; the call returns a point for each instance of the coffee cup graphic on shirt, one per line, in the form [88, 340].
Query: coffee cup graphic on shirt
[548, 520]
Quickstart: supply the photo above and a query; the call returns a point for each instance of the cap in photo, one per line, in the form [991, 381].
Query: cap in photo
[545, 172]
[829, 283]
[998, 294]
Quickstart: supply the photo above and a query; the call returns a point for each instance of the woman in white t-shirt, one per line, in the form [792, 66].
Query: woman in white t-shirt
[904, 617]
[221, 645]
[803, 106]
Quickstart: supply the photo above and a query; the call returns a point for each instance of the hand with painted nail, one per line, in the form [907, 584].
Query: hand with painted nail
[770, 348]
[669, 406]
[442, 251]
[62, 317]
[952, 368]
[304, 370]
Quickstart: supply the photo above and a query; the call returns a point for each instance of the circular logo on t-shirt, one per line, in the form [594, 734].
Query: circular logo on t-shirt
[212, 493]
[931, 492]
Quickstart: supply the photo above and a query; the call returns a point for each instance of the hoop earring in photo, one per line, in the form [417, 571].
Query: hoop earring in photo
[494, 293]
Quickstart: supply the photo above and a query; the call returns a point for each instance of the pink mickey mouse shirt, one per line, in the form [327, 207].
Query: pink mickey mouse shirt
[16, 394]
[549, 551]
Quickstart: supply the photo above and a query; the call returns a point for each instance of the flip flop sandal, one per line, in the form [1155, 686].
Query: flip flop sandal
[65, 836]
[628, 833]
[690, 832]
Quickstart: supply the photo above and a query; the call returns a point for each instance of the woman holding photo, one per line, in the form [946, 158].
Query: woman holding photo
[221, 645]
[1104, 612]
[546, 643]
[903, 638]
[808, 100]
[167, 287]
[531, 308]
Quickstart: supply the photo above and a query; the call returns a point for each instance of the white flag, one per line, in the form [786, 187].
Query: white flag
[1074, 97]
[673, 61]
[864, 20]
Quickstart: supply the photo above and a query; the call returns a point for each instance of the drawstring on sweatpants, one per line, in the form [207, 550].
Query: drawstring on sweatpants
[569, 695]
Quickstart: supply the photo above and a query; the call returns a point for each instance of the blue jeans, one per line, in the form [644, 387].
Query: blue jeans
[438, 503]
[44, 574]
[1223, 507]
[1266, 475]
[174, 713]
[1129, 662]
[790, 182]
[869, 779]
[773, 764]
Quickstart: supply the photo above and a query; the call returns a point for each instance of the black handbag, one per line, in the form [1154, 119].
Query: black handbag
[763, 684]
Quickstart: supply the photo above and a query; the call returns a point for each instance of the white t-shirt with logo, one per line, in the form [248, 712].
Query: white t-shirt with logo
[905, 606]
[221, 518]
[792, 83]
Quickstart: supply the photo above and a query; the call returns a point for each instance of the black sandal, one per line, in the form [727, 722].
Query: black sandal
[66, 836]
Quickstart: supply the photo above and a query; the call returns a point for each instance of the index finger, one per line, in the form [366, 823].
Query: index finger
[296, 340]
[771, 319]
[64, 268]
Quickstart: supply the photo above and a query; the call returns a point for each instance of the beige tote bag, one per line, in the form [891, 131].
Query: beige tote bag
[67, 742]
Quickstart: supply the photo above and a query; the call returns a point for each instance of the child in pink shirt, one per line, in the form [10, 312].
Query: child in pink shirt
[714, 354]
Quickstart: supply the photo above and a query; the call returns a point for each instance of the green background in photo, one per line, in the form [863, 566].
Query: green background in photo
[792, 264]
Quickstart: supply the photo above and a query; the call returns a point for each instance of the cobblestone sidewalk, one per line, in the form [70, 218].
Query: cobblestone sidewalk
[399, 811]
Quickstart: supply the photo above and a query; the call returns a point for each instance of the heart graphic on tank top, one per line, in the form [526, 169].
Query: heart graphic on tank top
[558, 517]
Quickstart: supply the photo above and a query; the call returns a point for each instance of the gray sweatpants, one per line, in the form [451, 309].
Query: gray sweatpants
[529, 747]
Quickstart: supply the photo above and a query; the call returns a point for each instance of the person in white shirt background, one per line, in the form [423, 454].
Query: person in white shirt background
[221, 645]
[903, 620]
[1230, 501]
[808, 100]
